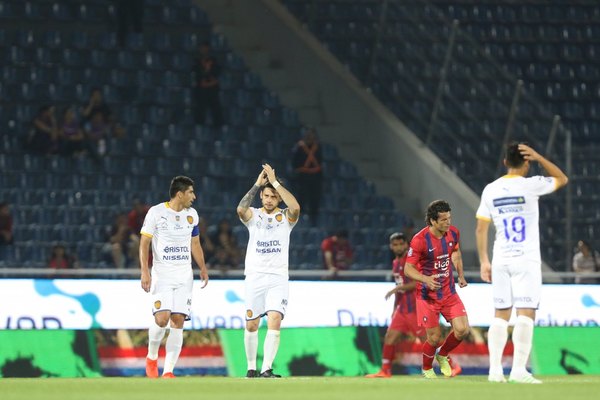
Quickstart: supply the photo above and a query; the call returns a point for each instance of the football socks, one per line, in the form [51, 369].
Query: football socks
[270, 348]
[497, 337]
[173, 347]
[251, 345]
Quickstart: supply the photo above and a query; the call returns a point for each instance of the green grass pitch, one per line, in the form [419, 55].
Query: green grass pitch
[199, 388]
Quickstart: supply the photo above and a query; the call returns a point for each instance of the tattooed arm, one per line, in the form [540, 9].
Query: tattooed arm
[243, 209]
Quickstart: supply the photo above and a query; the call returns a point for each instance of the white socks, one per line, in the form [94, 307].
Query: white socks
[155, 336]
[251, 345]
[497, 337]
[522, 338]
[270, 349]
[173, 347]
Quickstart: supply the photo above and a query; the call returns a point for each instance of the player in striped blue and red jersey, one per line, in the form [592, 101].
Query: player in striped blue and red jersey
[404, 318]
[433, 255]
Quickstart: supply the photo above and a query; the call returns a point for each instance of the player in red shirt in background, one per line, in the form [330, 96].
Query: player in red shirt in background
[135, 217]
[434, 253]
[337, 253]
[135, 221]
[404, 317]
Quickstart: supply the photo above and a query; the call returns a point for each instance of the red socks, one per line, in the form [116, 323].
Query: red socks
[428, 354]
[389, 353]
[449, 344]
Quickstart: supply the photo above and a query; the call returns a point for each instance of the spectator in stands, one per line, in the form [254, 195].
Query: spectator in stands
[135, 220]
[121, 244]
[206, 241]
[337, 253]
[59, 259]
[207, 88]
[585, 262]
[307, 161]
[130, 15]
[6, 224]
[99, 124]
[97, 132]
[44, 135]
[71, 134]
[227, 254]
[97, 104]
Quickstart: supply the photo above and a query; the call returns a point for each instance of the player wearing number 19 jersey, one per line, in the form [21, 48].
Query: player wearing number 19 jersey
[511, 203]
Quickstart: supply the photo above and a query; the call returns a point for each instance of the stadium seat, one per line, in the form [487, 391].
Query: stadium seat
[147, 83]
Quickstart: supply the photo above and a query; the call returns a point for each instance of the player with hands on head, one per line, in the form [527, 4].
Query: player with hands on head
[172, 230]
[266, 265]
[511, 204]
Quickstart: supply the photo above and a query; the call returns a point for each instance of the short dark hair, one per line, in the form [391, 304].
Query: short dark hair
[180, 184]
[513, 157]
[434, 209]
[397, 236]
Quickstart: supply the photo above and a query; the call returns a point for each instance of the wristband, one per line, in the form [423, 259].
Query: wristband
[276, 185]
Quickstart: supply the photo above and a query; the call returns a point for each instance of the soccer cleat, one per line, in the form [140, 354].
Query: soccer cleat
[380, 374]
[429, 374]
[151, 368]
[251, 373]
[499, 378]
[456, 368]
[168, 375]
[527, 378]
[269, 374]
[444, 365]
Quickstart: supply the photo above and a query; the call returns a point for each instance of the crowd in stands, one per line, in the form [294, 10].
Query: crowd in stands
[87, 130]
[78, 131]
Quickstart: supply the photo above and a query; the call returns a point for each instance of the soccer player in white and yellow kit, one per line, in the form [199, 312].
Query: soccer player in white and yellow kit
[511, 203]
[267, 259]
[172, 228]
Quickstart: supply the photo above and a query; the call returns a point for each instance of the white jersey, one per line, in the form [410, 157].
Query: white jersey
[269, 242]
[511, 202]
[171, 234]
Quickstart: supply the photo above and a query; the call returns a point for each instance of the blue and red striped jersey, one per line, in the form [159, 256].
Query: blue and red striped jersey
[433, 257]
[404, 301]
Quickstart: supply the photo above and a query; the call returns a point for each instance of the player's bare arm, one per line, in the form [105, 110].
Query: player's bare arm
[293, 211]
[198, 255]
[243, 208]
[481, 236]
[146, 278]
[458, 264]
[329, 262]
[551, 169]
[405, 287]
[411, 271]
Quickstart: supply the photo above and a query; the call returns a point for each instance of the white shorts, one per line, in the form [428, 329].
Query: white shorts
[172, 293]
[264, 293]
[517, 285]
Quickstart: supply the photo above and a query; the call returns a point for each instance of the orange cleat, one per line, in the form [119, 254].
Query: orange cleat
[456, 368]
[168, 375]
[151, 368]
[380, 374]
